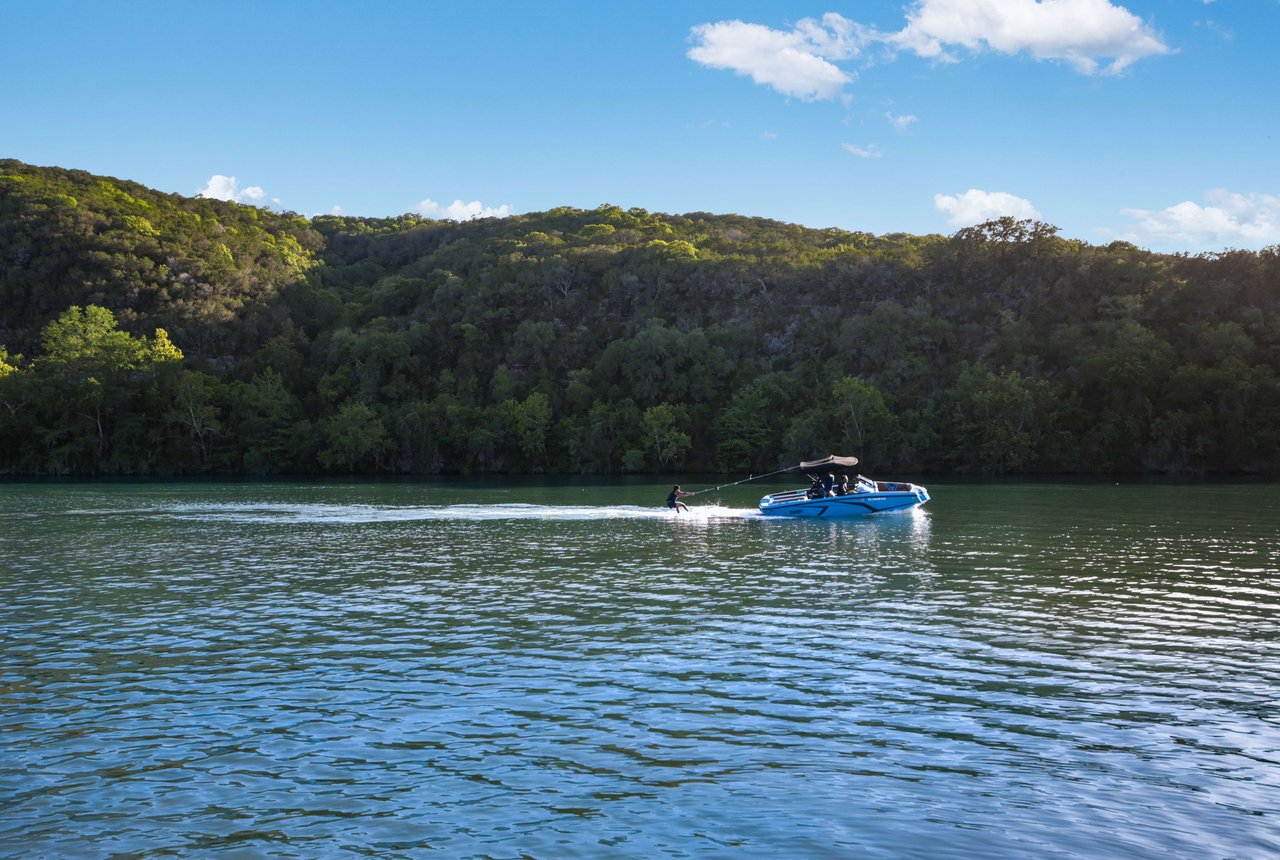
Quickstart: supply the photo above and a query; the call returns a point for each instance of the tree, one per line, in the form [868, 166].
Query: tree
[355, 439]
[187, 403]
[8, 363]
[263, 415]
[747, 429]
[90, 376]
[85, 343]
[862, 421]
[666, 441]
[528, 423]
[1000, 422]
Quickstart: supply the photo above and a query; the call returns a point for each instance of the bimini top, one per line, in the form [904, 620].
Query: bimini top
[807, 465]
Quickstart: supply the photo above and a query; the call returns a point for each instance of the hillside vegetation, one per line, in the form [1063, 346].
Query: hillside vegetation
[147, 333]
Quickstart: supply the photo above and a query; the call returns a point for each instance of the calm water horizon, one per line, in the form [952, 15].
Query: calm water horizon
[552, 669]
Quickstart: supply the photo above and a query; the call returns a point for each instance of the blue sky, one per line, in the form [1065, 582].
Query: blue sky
[1155, 121]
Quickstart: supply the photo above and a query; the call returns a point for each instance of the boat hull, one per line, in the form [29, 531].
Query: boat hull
[794, 503]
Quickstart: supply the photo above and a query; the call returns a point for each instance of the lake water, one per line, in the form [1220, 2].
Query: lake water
[472, 670]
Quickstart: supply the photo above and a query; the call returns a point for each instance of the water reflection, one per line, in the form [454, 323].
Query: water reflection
[856, 538]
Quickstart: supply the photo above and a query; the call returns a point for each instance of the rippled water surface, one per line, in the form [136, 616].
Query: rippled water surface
[467, 670]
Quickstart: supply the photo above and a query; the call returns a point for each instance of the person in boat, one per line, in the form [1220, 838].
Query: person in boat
[673, 499]
[815, 490]
[842, 488]
[828, 486]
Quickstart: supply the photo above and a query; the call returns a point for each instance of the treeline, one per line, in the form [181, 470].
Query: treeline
[157, 334]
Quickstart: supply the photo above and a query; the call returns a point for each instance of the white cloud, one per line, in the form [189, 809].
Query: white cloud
[222, 187]
[1081, 32]
[1230, 220]
[870, 151]
[974, 207]
[795, 62]
[1091, 35]
[901, 123]
[459, 211]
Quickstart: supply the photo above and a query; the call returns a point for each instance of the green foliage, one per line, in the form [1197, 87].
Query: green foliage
[866, 427]
[664, 437]
[6, 367]
[98, 399]
[263, 414]
[190, 426]
[85, 343]
[529, 424]
[1000, 421]
[172, 335]
[197, 267]
[354, 438]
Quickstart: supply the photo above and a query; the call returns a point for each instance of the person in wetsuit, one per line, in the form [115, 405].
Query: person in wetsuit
[673, 499]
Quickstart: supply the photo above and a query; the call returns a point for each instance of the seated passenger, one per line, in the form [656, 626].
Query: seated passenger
[842, 488]
[815, 489]
[828, 486]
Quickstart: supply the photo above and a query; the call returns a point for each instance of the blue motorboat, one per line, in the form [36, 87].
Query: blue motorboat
[865, 496]
[870, 497]
[825, 499]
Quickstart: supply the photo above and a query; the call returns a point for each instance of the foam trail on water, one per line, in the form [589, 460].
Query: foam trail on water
[373, 513]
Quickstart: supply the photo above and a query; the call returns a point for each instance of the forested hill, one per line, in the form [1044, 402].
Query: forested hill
[147, 333]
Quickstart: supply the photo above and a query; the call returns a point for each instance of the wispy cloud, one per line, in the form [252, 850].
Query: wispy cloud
[901, 123]
[869, 151]
[1229, 220]
[221, 187]
[1091, 35]
[1223, 33]
[460, 211]
[975, 206]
